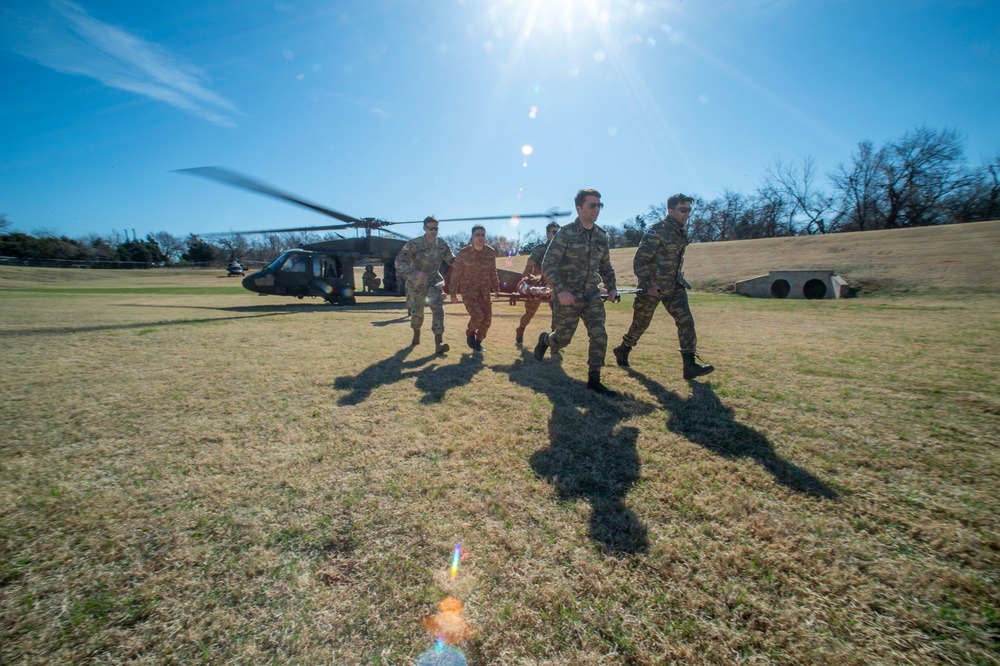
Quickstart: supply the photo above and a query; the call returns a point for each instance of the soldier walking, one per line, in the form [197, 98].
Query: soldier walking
[658, 266]
[532, 268]
[575, 264]
[420, 263]
[474, 275]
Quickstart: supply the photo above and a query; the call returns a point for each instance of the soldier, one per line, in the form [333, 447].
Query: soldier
[576, 262]
[474, 275]
[419, 262]
[534, 267]
[370, 281]
[658, 266]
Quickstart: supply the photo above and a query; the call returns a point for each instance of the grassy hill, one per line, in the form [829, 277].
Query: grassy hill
[958, 258]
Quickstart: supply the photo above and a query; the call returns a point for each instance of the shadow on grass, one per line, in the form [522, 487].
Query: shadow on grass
[590, 456]
[62, 330]
[704, 420]
[434, 380]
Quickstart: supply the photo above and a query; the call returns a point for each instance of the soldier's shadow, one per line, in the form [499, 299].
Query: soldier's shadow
[384, 372]
[436, 380]
[590, 456]
[704, 420]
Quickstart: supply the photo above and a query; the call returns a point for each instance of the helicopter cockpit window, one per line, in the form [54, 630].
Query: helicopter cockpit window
[294, 264]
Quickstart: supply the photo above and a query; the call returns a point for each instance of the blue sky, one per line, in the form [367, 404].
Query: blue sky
[399, 109]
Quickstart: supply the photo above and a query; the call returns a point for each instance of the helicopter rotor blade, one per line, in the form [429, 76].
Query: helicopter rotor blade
[550, 214]
[228, 177]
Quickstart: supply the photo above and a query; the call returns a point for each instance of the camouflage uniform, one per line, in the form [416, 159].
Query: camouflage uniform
[474, 275]
[533, 266]
[419, 255]
[578, 261]
[660, 259]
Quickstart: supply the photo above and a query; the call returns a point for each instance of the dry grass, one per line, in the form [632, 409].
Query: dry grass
[193, 474]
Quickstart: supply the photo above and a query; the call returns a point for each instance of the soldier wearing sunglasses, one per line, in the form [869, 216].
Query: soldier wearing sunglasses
[577, 261]
[659, 268]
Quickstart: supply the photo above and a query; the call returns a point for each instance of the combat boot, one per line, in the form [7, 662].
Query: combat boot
[594, 383]
[519, 335]
[543, 344]
[470, 340]
[439, 346]
[691, 368]
[479, 344]
[621, 355]
[416, 338]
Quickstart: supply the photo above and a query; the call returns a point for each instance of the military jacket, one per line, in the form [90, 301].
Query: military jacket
[474, 272]
[660, 255]
[578, 262]
[534, 263]
[420, 255]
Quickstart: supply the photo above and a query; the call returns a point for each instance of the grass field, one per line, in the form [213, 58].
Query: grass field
[194, 474]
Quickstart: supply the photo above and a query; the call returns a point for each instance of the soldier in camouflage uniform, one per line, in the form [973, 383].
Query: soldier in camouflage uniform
[419, 262]
[577, 260]
[474, 275]
[534, 267]
[658, 266]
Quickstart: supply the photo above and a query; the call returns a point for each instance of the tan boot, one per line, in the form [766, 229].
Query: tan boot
[416, 338]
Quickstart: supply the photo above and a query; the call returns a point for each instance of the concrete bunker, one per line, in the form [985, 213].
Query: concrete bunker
[807, 283]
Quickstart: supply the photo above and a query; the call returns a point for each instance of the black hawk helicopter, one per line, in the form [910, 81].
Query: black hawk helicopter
[326, 269]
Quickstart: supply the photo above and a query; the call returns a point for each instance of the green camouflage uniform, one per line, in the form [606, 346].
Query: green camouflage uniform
[421, 256]
[531, 304]
[660, 259]
[577, 261]
[474, 275]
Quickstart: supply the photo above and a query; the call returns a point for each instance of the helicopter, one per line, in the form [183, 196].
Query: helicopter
[326, 269]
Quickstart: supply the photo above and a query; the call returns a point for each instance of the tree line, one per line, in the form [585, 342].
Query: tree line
[919, 179]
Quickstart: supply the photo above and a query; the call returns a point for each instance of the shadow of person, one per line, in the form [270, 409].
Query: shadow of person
[704, 420]
[590, 456]
[382, 373]
[436, 380]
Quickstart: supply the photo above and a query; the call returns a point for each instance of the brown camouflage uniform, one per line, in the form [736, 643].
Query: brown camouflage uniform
[474, 275]
[578, 261]
[660, 259]
[533, 267]
[419, 255]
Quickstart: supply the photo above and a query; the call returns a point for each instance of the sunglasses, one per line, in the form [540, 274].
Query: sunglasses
[591, 205]
[431, 228]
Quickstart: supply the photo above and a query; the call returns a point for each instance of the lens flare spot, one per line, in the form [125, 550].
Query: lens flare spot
[533, 112]
[527, 149]
[599, 56]
[515, 220]
[612, 131]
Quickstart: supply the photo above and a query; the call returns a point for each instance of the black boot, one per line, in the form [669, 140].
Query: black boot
[439, 346]
[479, 344]
[470, 340]
[519, 335]
[621, 354]
[543, 344]
[691, 368]
[416, 338]
[594, 383]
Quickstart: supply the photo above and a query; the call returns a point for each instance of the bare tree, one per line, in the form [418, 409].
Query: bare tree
[798, 184]
[859, 189]
[171, 245]
[920, 170]
[4, 222]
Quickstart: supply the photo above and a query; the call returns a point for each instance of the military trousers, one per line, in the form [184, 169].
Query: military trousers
[418, 295]
[565, 319]
[530, 308]
[676, 303]
[480, 309]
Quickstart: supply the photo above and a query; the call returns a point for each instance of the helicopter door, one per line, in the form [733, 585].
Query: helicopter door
[317, 266]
